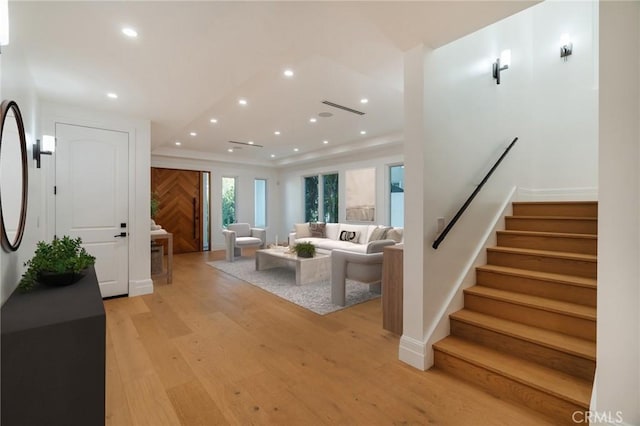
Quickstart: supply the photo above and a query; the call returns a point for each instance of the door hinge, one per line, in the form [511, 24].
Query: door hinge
[55, 190]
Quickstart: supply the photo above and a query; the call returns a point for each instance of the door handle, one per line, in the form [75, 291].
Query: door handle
[120, 235]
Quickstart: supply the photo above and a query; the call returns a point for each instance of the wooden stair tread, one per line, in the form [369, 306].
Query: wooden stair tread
[551, 339]
[545, 276]
[546, 253]
[542, 303]
[549, 234]
[539, 203]
[590, 218]
[553, 382]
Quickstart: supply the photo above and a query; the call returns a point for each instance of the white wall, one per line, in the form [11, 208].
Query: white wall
[618, 369]
[139, 131]
[245, 176]
[16, 84]
[468, 120]
[291, 181]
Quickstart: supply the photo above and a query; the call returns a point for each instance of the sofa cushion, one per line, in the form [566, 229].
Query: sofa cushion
[241, 229]
[317, 229]
[352, 236]
[302, 230]
[332, 230]
[248, 241]
[395, 234]
[379, 233]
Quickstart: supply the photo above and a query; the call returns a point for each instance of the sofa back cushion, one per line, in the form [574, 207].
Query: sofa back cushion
[395, 234]
[302, 230]
[317, 229]
[241, 229]
[379, 233]
[332, 230]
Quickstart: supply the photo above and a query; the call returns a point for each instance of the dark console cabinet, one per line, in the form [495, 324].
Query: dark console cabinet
[53, 356]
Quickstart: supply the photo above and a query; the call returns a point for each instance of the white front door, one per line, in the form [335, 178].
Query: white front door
[92, 184]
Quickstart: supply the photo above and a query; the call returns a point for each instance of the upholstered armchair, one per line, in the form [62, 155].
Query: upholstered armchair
[240, 235]
[362, 267]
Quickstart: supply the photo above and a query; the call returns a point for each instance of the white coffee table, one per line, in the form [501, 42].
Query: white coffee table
[308, 270]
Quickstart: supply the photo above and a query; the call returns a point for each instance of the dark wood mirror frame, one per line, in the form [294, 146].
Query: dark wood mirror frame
[5, 107]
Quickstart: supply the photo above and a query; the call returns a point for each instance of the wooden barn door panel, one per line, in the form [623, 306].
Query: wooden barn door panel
[180, 196]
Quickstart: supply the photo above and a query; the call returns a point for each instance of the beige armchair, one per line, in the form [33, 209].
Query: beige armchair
[362, 267]
[241, 235]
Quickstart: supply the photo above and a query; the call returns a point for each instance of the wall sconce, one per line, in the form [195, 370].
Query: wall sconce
[38, 152]
[567, 46]
[501, 64]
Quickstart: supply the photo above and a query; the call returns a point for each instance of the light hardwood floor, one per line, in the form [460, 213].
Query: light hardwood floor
[210, 349]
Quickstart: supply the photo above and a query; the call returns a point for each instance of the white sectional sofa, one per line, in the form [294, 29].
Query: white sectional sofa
[327, 237]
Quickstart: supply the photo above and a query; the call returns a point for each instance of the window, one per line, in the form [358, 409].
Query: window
[260, 203]
[311, 199]
[330, 197]
[396, 214]
[228, 201]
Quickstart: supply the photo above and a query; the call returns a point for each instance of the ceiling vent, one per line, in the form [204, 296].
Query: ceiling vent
[342, 107]
[246, 144]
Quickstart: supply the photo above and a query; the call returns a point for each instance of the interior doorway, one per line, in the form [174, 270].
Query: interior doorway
[183, 207]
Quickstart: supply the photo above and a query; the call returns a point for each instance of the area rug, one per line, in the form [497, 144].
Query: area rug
[282, 282]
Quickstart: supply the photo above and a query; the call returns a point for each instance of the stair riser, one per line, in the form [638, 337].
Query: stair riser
[573, 326]
[549, 289]
[534, 262]
[570, 226]
[548, 357]
[559, 410]
[571, 245]
[566, 210]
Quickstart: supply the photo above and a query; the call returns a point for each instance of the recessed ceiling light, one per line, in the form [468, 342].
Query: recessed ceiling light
[277, 132]
[273, 156]
[230, 149]
[129, 32]
[178, 143]
[363, 132]
[213, 120]
[313, 120]
[296, 149]
[193, 134]
[112, 95]
[242, 101]
[288, 73]
[364, 100]
[325, 142]
[250, 142]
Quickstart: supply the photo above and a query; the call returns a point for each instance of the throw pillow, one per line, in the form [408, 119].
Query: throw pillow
[302, 230]
[380, 233]
[317, 229]
[395, 234]
[351, 236]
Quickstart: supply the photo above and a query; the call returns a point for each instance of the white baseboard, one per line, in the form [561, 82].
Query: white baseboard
[560, 194]
[140, 287]
[415, 353]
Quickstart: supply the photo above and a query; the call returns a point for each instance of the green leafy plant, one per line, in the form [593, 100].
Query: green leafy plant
[65, 255]
[304, 249]
[155, 205]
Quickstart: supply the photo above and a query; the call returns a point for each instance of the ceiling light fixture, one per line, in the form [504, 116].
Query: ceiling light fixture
[129, 32]
[242, 101]
[229, 149]
[325, 142]
[193, 134]
[250, 142]
[277, 132]
[112, 95]
[273, 156]
[295, 150]
[178, 143]
[313, 120]
[363, 132]
[288, 73]
[364, 101]
[213, 120]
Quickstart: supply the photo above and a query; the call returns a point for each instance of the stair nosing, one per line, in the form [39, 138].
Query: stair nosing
[590, 218]
[503, 295]
[546, 253]
[554, 202]
[549, 234]
[526, 381]
[573, 280]
[546, 343]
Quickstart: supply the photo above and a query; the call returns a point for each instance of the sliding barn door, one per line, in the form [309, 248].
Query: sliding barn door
[180, 195]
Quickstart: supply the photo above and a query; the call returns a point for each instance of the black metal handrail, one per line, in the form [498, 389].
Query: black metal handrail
[448, 228]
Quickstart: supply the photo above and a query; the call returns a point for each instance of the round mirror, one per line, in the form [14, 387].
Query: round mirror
[13, 175]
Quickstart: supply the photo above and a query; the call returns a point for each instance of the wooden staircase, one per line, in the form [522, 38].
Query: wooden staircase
[527, 332]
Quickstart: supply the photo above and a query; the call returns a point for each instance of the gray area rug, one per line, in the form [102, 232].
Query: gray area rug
[282, 282]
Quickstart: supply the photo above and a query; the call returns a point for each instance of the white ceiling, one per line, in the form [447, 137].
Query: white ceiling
[192, 61]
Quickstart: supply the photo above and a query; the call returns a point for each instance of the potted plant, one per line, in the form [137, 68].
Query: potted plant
[304, 249]
[57, 263]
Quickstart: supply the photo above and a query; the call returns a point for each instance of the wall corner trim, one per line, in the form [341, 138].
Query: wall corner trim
[140, 287]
